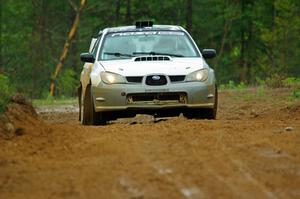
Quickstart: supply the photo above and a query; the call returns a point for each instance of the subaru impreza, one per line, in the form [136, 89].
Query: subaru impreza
[146, 69]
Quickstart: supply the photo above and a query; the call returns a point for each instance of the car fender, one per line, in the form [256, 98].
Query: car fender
[84, 81]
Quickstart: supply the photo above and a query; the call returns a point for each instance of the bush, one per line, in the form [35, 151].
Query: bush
[275, 81]
[67, 83]
[232, 85]
[294, 83]
[291, 82]
[6, 91]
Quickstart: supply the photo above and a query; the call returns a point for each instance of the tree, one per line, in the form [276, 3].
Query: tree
[67, 44]
[189, 16]
[255, 40]
[117, 15]
[128, 12]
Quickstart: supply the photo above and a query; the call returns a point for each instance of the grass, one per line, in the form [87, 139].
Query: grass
[249, 93]
[291, 83]
[295, 94]
[59, 101]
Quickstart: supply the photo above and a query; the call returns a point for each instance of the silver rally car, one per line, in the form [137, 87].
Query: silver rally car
[146, 69]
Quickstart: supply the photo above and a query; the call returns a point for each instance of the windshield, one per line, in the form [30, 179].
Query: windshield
[125, 45]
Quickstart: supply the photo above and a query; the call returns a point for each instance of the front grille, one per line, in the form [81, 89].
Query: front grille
[177, 78]
[134, 79]
[157, 97]
[156, 80]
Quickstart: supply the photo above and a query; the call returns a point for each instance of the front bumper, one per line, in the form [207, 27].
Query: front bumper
[116, 97]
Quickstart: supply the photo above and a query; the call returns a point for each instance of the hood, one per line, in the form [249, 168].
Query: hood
[174, 66]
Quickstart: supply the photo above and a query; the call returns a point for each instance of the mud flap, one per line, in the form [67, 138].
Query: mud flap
[79, 90]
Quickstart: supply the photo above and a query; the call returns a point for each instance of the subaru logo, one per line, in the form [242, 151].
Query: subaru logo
[156, 77]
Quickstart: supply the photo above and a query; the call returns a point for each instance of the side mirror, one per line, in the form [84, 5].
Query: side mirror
[209, 53]
[87, 57]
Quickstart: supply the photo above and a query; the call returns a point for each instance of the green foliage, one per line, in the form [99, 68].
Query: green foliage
[294, 83]
[291, 82]
[6, 90]
[260, 92]
[259, 81]
[67, 83]
[295, 94]
[229, 85]
[275, 81]
[257, 41]
[232, 85]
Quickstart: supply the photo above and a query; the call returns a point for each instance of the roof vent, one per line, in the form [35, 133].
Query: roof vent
[143, 24]
[153, 58]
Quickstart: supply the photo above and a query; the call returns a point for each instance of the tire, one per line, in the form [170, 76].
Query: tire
[204, 113]
[88, 115]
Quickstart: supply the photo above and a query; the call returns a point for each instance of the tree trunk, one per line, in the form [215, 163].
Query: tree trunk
[117, 14]
[224, 37]
[128, 12]
[243, 63]
[67, 45]
[38, 45]
[251, 51]
[273, 43]
[189, 16]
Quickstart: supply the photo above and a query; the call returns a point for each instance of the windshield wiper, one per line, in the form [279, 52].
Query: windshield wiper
[117, 54]
[157, 53]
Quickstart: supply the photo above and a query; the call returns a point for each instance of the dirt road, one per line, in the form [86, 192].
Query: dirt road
[251, 151]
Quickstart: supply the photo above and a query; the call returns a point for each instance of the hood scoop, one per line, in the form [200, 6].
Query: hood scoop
[153, 58]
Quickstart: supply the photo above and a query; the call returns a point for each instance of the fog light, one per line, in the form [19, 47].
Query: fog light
[182, 98]
[130, 100]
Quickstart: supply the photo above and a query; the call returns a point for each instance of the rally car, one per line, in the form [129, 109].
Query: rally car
[146, 69]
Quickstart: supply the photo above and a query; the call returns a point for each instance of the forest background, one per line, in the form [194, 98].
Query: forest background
[257, 42]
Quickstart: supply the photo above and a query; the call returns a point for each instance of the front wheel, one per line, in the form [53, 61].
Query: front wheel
[88, 114]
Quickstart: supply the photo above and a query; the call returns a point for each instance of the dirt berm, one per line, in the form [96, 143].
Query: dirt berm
[20, 118]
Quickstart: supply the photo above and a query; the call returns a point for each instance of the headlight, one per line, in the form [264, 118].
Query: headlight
[112, 78]
[199, 75]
